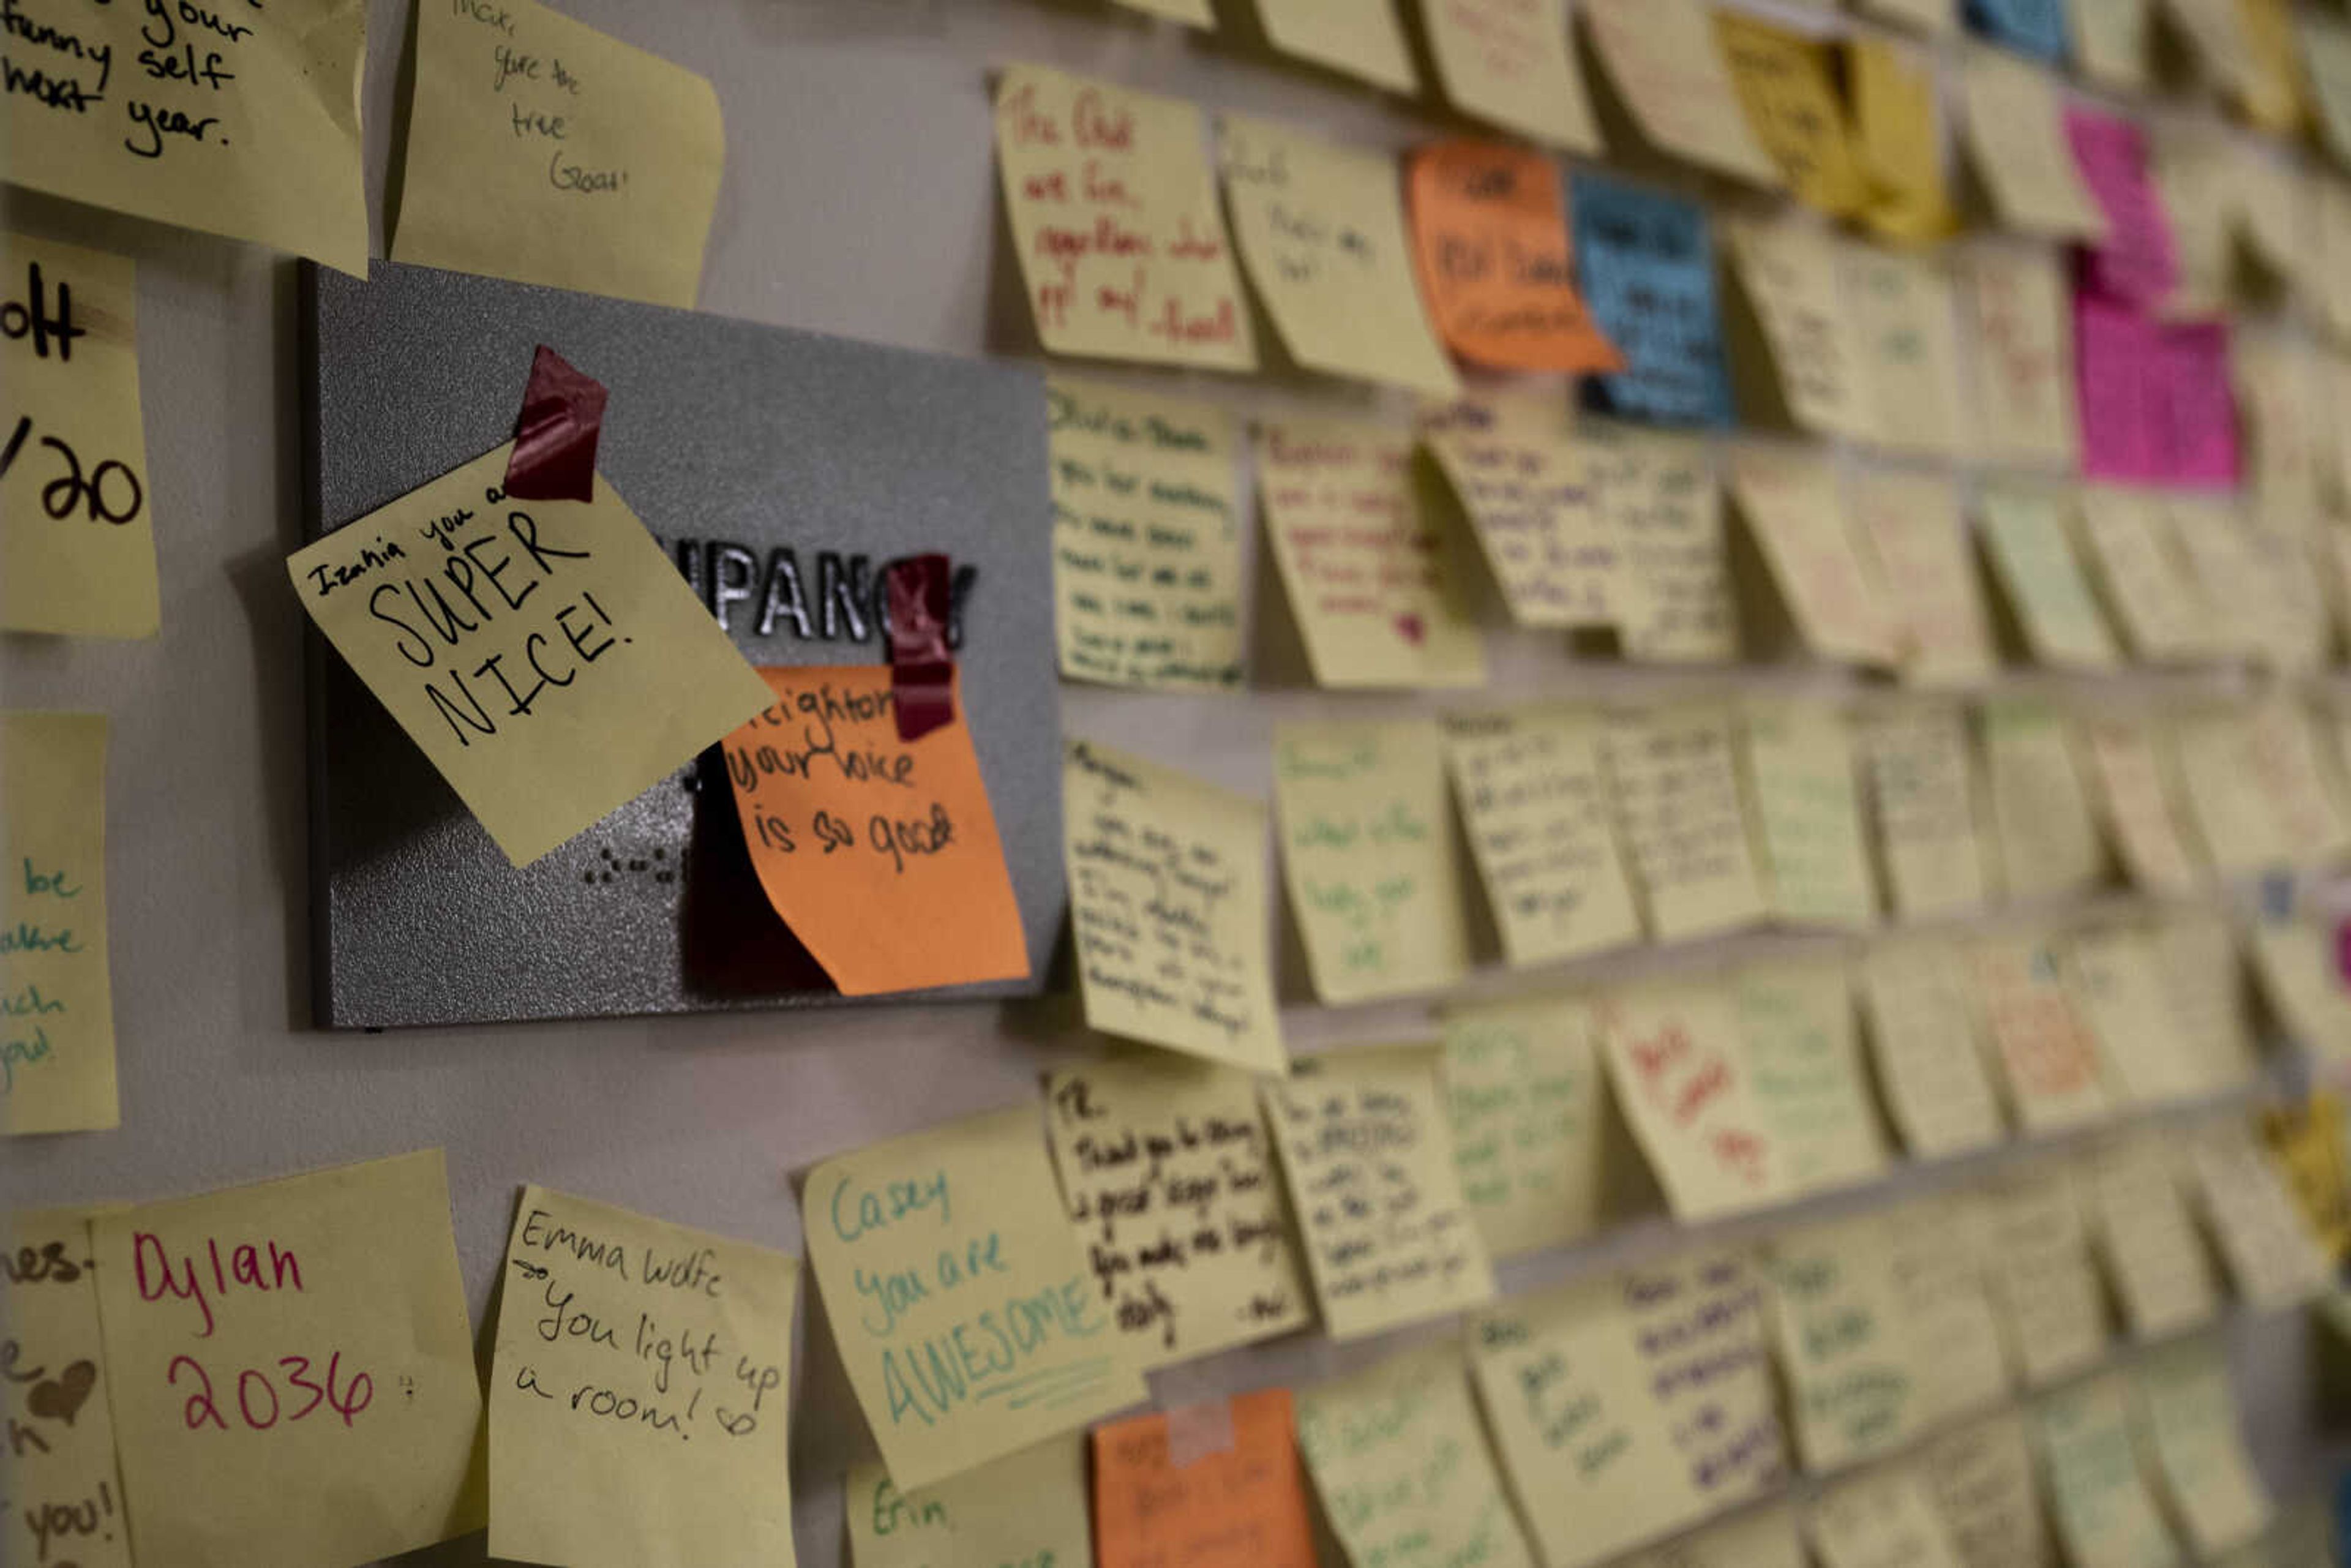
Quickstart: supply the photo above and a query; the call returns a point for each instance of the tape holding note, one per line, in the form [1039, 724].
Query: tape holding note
[1161, 1500]
[65, 1489]
[921, 672]
[1648, 272]
[562, 419]
[56, 1028]
[880, 853]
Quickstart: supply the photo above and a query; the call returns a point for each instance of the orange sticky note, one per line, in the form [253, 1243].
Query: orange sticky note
[880, 854]
[1209, 1486]
[1490, 237]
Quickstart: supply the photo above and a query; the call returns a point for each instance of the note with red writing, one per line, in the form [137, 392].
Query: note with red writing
[304, 1338]
[1681, 1069]
[1910, 522]
[1113, 215]
[56, 1027]
[2047, 1053]
[1361, 561]
[2135, 261]
[2014, 298]
[1490, 239]
[1204, 1486]
[64, 1487]
[1359, 37]
[2156, 405]
[1663, 59]
[1795, 511]
[641, 1398]
[881, 855]
[1512, 63]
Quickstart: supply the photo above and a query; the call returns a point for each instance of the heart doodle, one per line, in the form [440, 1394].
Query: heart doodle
[1412, 629]
[61, 1397]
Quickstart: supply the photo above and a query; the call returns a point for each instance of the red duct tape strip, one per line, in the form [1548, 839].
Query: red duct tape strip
[921, 672]
[562, 415]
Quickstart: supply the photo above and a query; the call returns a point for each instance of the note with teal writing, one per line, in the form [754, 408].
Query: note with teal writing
[56, 998]
[1803, 1058]
[1523, 1080]
[1845, 1343]
[1800, 766]
[959, 1298]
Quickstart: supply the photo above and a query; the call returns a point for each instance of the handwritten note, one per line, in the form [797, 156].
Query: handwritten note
[2156, 402]
[2097, 1491]
[2194, 177]
[2043, 1277]
[1905, 330]
[56, 996]
[1786, 268]
[77, 546]
[1536, 809]
[2024, 535]
[1884, 1520]
[2233, 821]
[1697, 1322]
[1361, 561]
[1674, 775]
[1358, 38]
[1986, 1485]
[1167, 903]
[620, 1339]
[2117, 977]
[2138, 1218]
[540, 148]
[880, 853]
[1799, 767]
[1491, 241]
[2282, 402]
[2137, 776]
[2049, 845]
[1147, 556]
[1366, 1142]
[1027, 1508]
[2271, 1253]
[1897, 126]
[1321, 236]
[1113, 216]
[1648, 273]
[2015, 299]
[1512, 63]
[2010, 122]
[1401, 1462]
[2247, 47]
[1367, 856]
[1522, 1079]
[1841, 1340]
[1790, 498]
[2136, 261]
[2159, 604]
[302, 1338]
[546, 715]
[1663, 59]
[1527, 488]
[1957, 1350]
[2193, 1426]
[1786, 84]
[65, 1490]
[2048, 1056]
[1210, 1486]
[1167, 1174]
[1929, 1051]
[2196, 953]
[1681, 1068]
[1804, 1061]
[1660, 499]
[2114, 42]
[1913, 532]
[235, 123]
[951, 1377]
[2282, 759]
[1920, 778]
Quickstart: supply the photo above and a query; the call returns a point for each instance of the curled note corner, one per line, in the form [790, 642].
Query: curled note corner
[922, 672]
[556, 433]
[1196, 1432]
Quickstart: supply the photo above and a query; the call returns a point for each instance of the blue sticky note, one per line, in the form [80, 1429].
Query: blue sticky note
[1647, 269]
[2035, 28]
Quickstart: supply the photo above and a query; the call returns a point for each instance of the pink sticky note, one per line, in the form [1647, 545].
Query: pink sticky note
[2138, 262]
[2198, 429]
[2155, 404]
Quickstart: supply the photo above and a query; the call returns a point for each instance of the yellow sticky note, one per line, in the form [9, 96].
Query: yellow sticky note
[2249, 48]
[2138, 1218]
[1767, 1538]
[2233, 818]
[2136, 773]
[1842, 1341]
[620, 1339]
[1783, 83]
[2025, 536]
[960, 1297]
[1401, 1462]
[2159, 605]
[1359, 37]
[2196, 953]
[2017, 307]
[1799, 767]
[2271, 1253]
[2037, 1253]
[1367, 856]
[1787, 267]
[2116, 977]
[2308, 1136]
[1027, 1508]
[1367, 1144]
[2107, 1516]
[227, 120]
[1958, 1351]
[2282, 759]
[1986, 1485]
[1667, 66]
[1795, 511]
[1673, 774]
[1167, 901]
[542, 150]
[1168, 1176]
[1923, 794]
[1362, 563]
[76, 545]
[1113, 217]
[2011, 125]
[1192, 14]
[1522, 1080]
[1321, 231]
[57, 1031]
[2273, 211]
[1698, 1321]
[2113, 41]
[1527, 488]
[1803, 1064]
[1911, 528]
[316, 1327]
[2049, 845]
[2326, 65]
[1535, 807]
[1146, 554]
[2191, 163]
[1898, 130]
[1679, 1065]
[2334, 305]
[1929, 1051]
[1906, 342]
[1512, 63]
[544, 655]
[1660, 500]
[65, 1489]
[2191, 1421]
[2048, 1057]
[2282, 421]
[1882, 1519]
